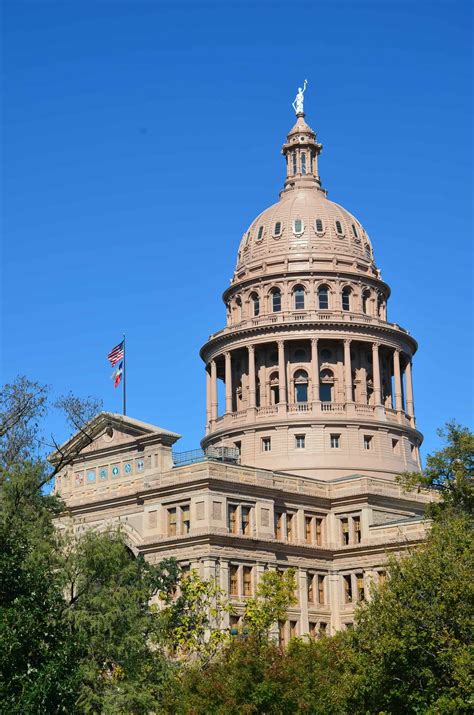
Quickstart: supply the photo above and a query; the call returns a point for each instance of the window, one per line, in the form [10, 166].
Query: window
[321, 599]
[254, 297]
[303, 162]
[310, 587]
[185, 520]
[281, 634]
[232, 518]
[266, 444]
[367, 442]
[356, 525]
[365, 299]
[260, 233]
[323, 629]
[354, 231]
[382, 577]
[293, 629]
[313, 630]
[345, 531]
[323, 297]
[290, 521]
[308, 529]
[172, 521]
[245, 520]
[300, 441]
[301, 386]
[298, 226]
[294, 163]
[339, 228]
[360, 586]
[395, 446]
[347, 588]
[277, 229]
[279, 525]
[300, 354]
[319, 532]
[234, 622]
[276, 300]
[247, 577]
[234, 580]
[298, 297]
[319, 226]
[346, 298]
[335, 440]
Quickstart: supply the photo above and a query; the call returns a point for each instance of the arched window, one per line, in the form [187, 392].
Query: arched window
[298, 297]
[276, 300]
[277, 229]
[319, 225]
[274, 389]
[303, 162]
[326, 385]
[354, 231]
[346, 298]
[301, 386]
[323, 297]
[298, 226]
[365, 301]
[300, 354]
[255, 299]
[238, 309]
[294, 163]
[339, 228]
[260, 233]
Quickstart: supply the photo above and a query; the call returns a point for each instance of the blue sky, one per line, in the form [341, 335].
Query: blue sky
[141, 138]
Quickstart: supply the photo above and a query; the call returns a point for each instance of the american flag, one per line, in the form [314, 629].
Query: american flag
[115, 354]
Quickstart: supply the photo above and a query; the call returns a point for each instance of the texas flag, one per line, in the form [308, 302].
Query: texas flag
[117, 374]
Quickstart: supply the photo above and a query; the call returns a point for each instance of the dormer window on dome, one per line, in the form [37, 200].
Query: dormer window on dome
[319, 226]
[298, 227]
[339, 228]
[354, 231]
[260, 233]
[277, 229]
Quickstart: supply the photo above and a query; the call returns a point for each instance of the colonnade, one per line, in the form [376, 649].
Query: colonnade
[314, 379]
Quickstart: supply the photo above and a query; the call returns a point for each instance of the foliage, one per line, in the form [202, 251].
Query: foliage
[275, 593]
[22, 405]
[450, 471]
[193, 620]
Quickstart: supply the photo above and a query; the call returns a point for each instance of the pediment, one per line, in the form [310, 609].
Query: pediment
[108, 430]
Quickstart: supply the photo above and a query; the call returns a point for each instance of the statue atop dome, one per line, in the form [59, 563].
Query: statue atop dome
[299, 99]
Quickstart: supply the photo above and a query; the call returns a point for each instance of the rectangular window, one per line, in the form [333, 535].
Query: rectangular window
[310, 587]
[323, 629]
[293, 629]
[382, 577]
[282, 633]
[245, 518]
[308, 529]
[395, 446]
[185, 519]
[347, 589]
[247, 575]
[313, 629]
[172, 521]
[234, 622]
[356, 525]
[345, 531]
[321, 599]
[325, 392]
[232, 518]
[319, 532]
[360, 586]
[234, 580]
[266, 444]
[300, 440]
[367, 442]
[279, 525]
[290, 522]
[335, 439]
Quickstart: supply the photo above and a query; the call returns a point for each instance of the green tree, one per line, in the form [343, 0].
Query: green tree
[275, 593]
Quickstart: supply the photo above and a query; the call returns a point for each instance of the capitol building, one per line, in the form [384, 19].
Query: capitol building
[299, 458]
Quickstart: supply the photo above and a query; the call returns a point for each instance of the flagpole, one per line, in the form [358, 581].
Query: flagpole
[124, 389]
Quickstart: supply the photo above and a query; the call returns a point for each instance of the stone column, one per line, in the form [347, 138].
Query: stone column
[398, 381]
[228, 382]
[208, 399]
[315, 368]
[409, 385]
[376, 374]
[348, 370]
[214, 405]
[303, 599]
[252, 384]
[281, 372]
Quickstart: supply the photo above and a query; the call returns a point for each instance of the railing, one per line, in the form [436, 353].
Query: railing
[193, 456]
[364, 409]
[333, 406]
[237, 415]
[299, 407]
[267, 410]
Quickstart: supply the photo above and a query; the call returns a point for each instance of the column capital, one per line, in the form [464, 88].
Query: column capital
[347, 341]
[251, 348]
[375, 345]
[227, 354]
[280, 343]
[314, 341]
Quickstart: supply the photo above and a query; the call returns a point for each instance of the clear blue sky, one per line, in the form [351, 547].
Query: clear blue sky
[141, 138]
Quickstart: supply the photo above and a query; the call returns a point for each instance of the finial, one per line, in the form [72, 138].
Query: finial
[299, 100]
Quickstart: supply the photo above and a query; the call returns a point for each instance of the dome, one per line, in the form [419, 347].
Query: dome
[304, 221]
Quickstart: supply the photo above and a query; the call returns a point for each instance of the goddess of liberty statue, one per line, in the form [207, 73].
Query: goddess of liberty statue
[299, 99]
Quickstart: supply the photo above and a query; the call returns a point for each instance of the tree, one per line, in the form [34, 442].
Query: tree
[450, 471]
[275, 593]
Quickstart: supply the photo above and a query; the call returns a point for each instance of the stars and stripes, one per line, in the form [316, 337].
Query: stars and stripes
[116, 354]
